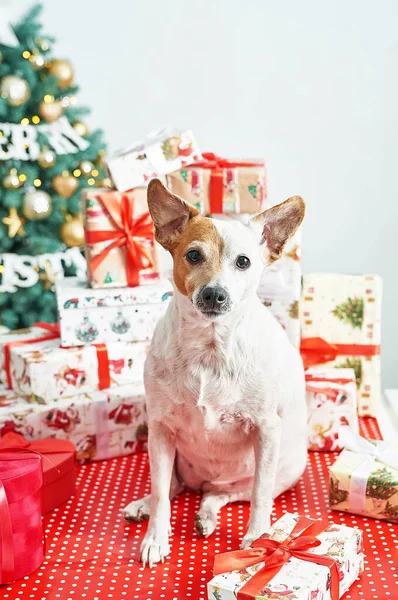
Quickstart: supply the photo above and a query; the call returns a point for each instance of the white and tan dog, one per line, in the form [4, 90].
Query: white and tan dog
[225, 388]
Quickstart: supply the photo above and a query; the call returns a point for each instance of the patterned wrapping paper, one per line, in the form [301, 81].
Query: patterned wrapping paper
[332, 401]
[160, 153]
[379, 483]
[345, 312]
[44, 372]
[216, 185]
[90, 316]
[102, 424]
[112, 271]
[299, 579]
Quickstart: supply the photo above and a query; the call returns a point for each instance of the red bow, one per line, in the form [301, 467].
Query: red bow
[129, 231]
[275, 555]
[316, 350]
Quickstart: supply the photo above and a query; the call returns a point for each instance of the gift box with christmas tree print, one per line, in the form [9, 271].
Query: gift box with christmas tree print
[332, 401]
[162, 152]
[93, 316]
[119, 234]
[364, 478]
[102, 424]
[221, 186]
[340, 327]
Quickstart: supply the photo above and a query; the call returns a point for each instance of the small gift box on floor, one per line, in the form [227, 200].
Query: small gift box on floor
[364, 478]
[340, 327]
[118, 315]
[119, 234]
[21, 527]
[160, 153]
[332, 401]
[58, 464]
[100, 425]
[300, 558]
[218, 185]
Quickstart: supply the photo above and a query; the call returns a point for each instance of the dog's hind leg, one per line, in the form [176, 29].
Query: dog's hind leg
[138, 510]
[206, 517]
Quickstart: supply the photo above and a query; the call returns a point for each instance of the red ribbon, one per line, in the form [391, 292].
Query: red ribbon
[128, 233]
[7, 539]
[216, 185]
[275, 555]
[315, 351]
[104, 379]
[53, 333]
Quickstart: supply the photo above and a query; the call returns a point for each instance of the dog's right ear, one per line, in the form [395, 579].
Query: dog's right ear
[170, 213]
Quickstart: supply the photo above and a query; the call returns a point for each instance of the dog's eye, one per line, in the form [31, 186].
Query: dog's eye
[194, 257]
[242, 262]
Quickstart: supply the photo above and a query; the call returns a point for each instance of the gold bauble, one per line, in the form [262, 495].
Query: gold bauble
[37, 205]
[80, 128]
[46, 158]
[86, 167]
[12, 182]
[63, 71]
[72, 231]
[15, 90]
[50, 111]
[65, 185]
[37, 60]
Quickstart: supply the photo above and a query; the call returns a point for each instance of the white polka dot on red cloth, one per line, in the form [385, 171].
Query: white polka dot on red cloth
[93, 553]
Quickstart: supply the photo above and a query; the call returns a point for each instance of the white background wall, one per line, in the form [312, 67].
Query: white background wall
[311, 85]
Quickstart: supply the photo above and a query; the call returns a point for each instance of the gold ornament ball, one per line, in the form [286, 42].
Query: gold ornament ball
[46, 158]
[80, 128]
[37, 205]
[65, 185]
[72, 231]
[14, 90]
[86, 167]
[50, 111]
[63, 71]
[11, 181]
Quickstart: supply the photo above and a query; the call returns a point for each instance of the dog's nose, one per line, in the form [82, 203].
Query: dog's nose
[214, 298]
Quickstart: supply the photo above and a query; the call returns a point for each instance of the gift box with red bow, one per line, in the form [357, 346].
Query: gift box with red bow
[332, 402]
[340, 327]
[21, 527]
[300, 558]
[119, 233]
[101, 425]
[218, 185]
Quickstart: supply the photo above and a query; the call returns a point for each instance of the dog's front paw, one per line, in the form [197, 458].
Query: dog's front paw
[137, 511]
[253, 534]
[154, 548]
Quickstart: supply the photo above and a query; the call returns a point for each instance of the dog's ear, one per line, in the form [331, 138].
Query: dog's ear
[170, 213]
[277, 224]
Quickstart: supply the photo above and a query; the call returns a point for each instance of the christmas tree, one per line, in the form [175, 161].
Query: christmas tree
[335, 494]
[47, 155]
[381, 484]
[351, 312]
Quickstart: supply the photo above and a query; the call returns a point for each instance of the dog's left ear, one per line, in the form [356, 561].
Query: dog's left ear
[277, 224]
[170, 213]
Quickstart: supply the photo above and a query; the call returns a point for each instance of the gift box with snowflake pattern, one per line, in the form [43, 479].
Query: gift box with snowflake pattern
[332, 401]
[93, 316]
[340, 327]
[102, 424]
[298, 579]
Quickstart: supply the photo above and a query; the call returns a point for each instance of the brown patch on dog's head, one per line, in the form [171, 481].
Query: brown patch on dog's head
[179, 228]
[279, 223]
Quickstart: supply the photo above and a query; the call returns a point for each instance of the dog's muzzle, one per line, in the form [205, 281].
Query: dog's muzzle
[213, 301]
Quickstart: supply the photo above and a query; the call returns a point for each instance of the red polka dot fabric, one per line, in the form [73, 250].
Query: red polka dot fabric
[92, 552]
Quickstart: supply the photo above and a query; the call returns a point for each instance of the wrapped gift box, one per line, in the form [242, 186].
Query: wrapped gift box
[364, 478]
[119, 315]
[101, 425]
[340, 326]
[332, 401]
[120, 245]
[217, 186]
[160, 153]
[298, 579]
[21, 530]
[44, 371]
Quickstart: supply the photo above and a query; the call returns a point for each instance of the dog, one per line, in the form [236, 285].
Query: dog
[225, 388]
